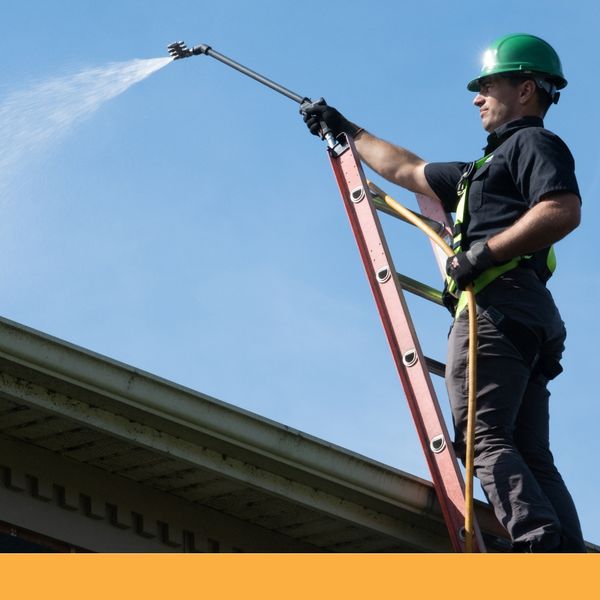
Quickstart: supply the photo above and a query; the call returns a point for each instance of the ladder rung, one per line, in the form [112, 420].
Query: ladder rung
[435, 366]
[380, 204]
[420, 289]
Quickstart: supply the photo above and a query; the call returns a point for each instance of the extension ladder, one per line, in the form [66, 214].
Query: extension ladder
[362, 199]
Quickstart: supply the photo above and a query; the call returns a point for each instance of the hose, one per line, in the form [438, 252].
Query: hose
[411, 217]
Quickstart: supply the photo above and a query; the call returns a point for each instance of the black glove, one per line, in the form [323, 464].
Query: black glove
[314, 113]
[464, 267]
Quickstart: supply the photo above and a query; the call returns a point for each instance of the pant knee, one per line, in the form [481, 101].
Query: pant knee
[493, 442]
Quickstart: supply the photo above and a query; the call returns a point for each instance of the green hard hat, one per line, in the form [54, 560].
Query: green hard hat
[521, 53]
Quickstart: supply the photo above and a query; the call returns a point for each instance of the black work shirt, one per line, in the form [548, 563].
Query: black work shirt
[528, 162]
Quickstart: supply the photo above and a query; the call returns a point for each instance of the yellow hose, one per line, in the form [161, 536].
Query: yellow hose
[472, 364]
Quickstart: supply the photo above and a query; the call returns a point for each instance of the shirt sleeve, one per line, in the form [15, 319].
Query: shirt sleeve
[541, 164]
[443, 178]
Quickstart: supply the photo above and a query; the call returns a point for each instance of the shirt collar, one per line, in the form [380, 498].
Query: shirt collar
[502, 133]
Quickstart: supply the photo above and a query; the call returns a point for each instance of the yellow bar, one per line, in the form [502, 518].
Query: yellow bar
[301, 577]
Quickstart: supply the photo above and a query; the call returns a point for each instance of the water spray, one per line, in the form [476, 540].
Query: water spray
[35, 118]
[179, 50]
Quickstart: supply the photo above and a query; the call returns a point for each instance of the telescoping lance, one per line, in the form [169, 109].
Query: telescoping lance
[179, 50]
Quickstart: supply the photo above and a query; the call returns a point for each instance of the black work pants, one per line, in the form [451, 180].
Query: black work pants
[512, 450]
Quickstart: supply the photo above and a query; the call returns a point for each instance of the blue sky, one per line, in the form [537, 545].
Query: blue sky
[192, 227]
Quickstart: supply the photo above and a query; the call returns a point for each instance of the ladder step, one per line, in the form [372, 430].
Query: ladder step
[435, 366]
[420, 289]
[380, 205]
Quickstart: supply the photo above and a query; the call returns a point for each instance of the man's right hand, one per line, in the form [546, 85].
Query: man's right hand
[396, 164]
[315, 113]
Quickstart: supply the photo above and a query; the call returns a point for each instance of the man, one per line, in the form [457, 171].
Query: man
[516, 202]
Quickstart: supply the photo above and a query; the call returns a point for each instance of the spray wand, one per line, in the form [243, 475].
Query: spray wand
[179, 50]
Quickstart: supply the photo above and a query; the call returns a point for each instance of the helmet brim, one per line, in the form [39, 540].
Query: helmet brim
[559, 82]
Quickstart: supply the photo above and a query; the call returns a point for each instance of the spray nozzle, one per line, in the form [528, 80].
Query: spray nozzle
[180, 50]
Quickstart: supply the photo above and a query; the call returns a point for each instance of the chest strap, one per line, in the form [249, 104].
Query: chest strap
[462, 191]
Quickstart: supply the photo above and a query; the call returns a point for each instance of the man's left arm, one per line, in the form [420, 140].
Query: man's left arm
[545, 223]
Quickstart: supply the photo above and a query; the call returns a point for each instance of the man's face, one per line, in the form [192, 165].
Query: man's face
[498, 102]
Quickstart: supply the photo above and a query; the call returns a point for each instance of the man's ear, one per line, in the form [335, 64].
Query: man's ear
[527, 91]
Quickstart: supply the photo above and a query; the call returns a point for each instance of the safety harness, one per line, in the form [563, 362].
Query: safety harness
[524, 339]
[454, 300]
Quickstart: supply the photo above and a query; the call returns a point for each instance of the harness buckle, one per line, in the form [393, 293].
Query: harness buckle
[464, 178]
